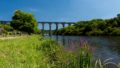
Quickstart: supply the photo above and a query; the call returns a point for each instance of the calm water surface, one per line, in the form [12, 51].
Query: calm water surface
[102, 47]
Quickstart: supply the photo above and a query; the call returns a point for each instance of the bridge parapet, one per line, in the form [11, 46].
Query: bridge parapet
[56, 23]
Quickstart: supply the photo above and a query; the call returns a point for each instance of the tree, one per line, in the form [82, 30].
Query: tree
[116, 31]
[118, 19]
[94, 27]
[24, 22]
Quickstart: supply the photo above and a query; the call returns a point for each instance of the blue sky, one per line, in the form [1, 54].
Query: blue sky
[61, 10]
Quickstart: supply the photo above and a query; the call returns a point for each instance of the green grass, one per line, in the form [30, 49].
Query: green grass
[27, 52]
[20, 52]
[36, 52]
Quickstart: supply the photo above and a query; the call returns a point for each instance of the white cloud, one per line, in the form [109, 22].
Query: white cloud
[33, 9]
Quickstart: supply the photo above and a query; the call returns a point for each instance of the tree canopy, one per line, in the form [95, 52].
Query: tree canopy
[24, 22]
[93, 27]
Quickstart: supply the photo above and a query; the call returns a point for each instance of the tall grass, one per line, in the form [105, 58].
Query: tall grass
[60, 58]
[20, 52]
[105, 64]
[36, 52]
[119, 65]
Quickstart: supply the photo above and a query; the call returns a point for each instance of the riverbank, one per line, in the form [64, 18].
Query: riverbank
[34, 51]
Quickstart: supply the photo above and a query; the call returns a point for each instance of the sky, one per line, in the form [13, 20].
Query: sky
[61, 10]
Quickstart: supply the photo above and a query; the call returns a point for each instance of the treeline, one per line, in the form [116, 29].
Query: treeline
[95, 27]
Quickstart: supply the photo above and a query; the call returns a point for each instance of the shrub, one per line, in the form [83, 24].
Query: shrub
[116, 31]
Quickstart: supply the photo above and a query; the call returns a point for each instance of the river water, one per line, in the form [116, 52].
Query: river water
[101, 47]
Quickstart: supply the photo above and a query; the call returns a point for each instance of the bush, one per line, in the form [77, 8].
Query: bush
[95, 32]
[116, 31]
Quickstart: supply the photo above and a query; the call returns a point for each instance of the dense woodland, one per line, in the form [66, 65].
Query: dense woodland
[95, 27]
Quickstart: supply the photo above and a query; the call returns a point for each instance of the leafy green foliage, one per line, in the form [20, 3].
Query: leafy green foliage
[24, 22]
[4, 28]
[119, 65]
[95, 27]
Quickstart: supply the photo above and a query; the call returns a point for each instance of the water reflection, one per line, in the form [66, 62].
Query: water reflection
[102, 47]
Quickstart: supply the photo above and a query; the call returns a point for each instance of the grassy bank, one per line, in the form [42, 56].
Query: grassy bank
[36, 52]
[19, 52]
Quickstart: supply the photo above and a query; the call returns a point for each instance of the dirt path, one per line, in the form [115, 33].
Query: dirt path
[4, 38]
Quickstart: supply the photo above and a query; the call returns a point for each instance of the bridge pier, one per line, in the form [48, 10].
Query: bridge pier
[42, 28]
[50, 31]
[69, 24]
[63, 24]
[56, 26]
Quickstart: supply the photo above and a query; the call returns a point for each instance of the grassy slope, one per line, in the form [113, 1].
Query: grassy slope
[31, 52]
[37, 52]
[20, 53]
